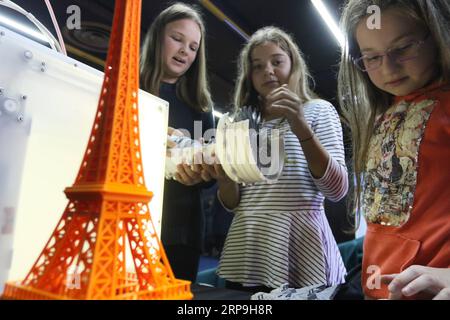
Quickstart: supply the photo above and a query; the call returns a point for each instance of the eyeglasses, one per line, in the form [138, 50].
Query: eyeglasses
[399, 54]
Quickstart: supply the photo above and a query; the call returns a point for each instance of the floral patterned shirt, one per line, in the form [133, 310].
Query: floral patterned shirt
[406, 198]
[391, 173]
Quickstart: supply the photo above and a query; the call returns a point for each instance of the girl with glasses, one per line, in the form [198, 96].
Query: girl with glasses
[394, 92]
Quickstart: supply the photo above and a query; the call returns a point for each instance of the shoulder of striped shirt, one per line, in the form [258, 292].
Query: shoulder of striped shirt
[317, 102]
[318, 107]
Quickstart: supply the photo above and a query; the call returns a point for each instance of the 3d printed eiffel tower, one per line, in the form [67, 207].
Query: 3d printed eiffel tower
[86, 255]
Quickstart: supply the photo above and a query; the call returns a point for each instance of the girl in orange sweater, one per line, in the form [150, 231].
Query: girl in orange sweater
[394, 91]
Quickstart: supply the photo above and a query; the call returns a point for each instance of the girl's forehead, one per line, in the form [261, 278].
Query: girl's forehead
[266, 48]
[267, 44]
[185, 25]
[394, 25]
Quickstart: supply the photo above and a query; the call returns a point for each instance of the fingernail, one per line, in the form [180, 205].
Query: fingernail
[392, 287]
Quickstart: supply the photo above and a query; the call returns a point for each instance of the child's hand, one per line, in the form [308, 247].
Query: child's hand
[213, 169]
[187, 175]
[419, 279]
[282, 102]
[191, 174]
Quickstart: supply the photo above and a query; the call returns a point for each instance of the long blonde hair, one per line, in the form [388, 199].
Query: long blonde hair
[192, 87]
[299, 80]
[361, 102]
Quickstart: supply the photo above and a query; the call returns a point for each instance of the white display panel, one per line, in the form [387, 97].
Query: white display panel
[58, 98]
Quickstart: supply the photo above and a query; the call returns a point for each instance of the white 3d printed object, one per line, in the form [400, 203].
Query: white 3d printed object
[246, 155]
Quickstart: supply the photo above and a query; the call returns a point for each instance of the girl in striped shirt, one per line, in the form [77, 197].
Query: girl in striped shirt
[279, 232]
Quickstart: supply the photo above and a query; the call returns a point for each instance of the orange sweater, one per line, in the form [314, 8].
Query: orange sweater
[407, 188]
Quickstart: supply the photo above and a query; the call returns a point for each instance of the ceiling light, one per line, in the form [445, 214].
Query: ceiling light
[332, 25]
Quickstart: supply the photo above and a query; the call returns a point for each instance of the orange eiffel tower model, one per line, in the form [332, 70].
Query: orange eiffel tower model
[85, 257]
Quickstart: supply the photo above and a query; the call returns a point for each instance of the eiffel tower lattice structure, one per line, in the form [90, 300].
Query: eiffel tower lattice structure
[107, 219]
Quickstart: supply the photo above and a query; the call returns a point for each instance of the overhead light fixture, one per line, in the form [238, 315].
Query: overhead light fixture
[10, 23]
[332, 25]
[222, 17]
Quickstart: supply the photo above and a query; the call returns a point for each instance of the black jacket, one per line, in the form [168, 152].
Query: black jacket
[183, 219]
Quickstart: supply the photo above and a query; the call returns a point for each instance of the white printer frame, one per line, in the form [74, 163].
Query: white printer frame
[47, 107]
